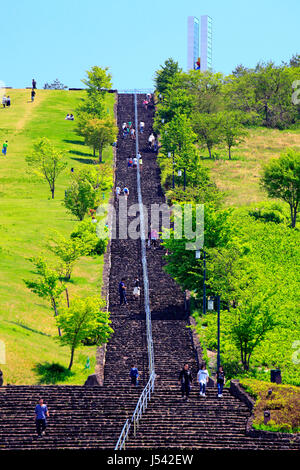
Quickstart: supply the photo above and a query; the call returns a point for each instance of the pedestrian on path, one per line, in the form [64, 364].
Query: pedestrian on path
[126, 191]
[220, 377]
[136, 289]
[41, 415]
[134, 162]
[151, 140]
[142, 127]
[3, 101]
[134, 376]
[118, 191]
[8, 102]
[32, 95]
[122, 292]
[185, 380]
[140, 161]
[4, 148]
[33, 84]
[130, 162]
[132, 133]
[202, 378]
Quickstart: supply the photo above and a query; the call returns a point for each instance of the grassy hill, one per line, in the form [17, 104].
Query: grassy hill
[239, 177]
[28, 215]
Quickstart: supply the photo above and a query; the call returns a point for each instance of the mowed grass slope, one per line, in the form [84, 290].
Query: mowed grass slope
[239, 177]
[28, 214]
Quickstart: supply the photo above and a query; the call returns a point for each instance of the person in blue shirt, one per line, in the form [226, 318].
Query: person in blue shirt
[122, 292]
[134, 375]
[41, 415]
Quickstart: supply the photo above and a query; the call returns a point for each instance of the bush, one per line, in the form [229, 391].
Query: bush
[86, 231]
[268, 212]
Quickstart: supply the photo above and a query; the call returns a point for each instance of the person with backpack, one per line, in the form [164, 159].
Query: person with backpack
[202, 378]
[134, 376]
[41, 415]
[185, 380]
[122, 292]
[220, 377]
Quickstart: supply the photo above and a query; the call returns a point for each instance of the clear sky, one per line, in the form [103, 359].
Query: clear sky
[63, 38]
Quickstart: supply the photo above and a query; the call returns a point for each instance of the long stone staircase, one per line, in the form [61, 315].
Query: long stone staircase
[93, 417]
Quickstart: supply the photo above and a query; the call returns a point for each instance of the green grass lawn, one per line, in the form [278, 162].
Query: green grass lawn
[239, 177]
[28, 214]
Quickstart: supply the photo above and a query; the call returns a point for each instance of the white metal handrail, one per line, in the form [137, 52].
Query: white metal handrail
[145, 396]
[141, 406]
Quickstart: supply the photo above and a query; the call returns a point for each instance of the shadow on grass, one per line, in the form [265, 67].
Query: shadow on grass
[84, 160]
[21, 325]
[52, 373]
[75, 142]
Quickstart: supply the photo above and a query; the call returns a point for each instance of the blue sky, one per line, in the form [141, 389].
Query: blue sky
[63, 38]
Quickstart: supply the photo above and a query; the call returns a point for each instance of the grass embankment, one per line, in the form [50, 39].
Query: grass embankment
[283, 404]
[28, 214]
[239, 177]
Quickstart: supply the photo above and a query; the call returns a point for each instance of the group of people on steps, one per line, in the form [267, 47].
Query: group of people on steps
[185, 380]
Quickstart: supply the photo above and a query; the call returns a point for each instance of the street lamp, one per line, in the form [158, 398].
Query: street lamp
[173, 176]
[210, 306]
[184, 177]
[198, 255]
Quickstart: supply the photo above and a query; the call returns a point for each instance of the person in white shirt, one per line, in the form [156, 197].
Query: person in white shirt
[118, 191]
[151, 140]
[4, 101]
[142, 126]
[134, 161]
[202, 378]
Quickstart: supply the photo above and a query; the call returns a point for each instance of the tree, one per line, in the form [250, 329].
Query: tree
[208, 128]
[165, 75]
[251, 320]
[80, 197]
[232, 130]
[281, 179]
[46, 162]
[48, 286]
[56, 85]
[69, 250]
[98, 80]
[84, 319]
[98, 133]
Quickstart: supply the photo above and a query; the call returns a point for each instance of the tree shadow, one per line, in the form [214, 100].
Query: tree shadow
[75, 142]
[77, 152]
[52, 373]
[85, 160]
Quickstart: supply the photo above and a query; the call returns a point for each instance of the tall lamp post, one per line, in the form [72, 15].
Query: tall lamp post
[173, 175]
[210, 306]
[198, 254]
[184, 177]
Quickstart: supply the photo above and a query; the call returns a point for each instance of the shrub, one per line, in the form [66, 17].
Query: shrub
[86, 231]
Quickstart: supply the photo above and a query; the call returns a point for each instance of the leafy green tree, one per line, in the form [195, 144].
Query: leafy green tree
[99, 133]
[80, 197]
[251, 320]
[281, 179]
[87, 232]
[84, 319]
[68, 250]
[98, 80]
[46, 162]
[48, 286]
[165, 75]
[232, 130]
[208, 128]
[181, 263]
